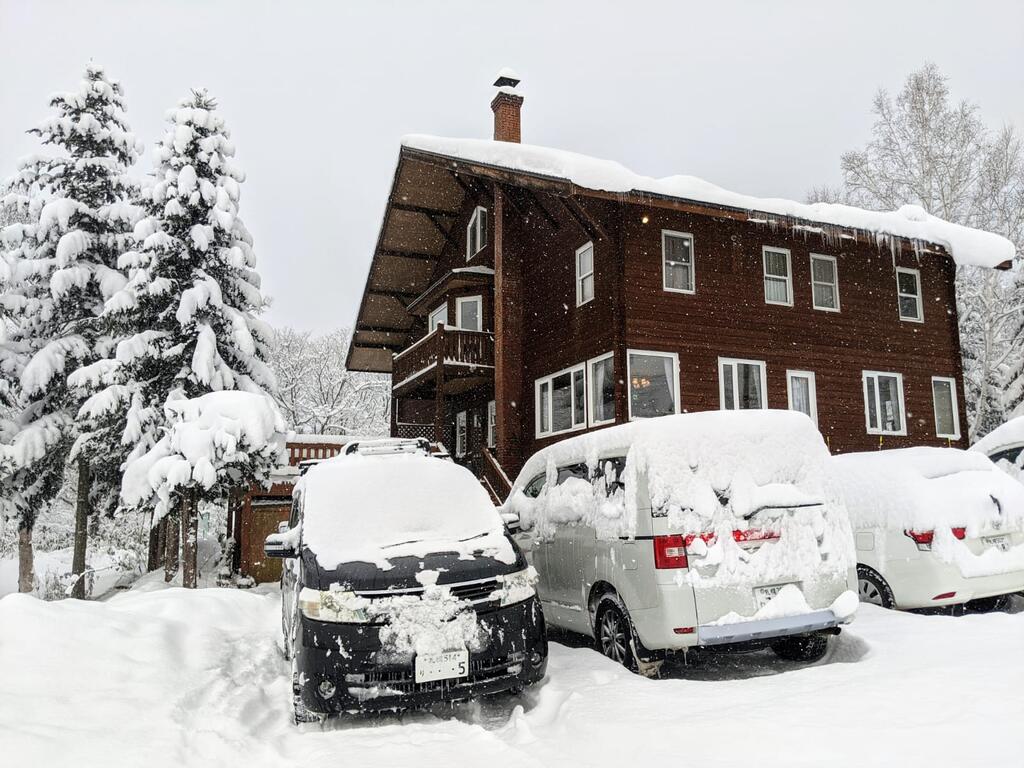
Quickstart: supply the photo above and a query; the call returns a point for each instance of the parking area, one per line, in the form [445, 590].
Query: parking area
[196, 678]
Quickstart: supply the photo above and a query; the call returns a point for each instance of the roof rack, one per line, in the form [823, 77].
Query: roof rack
[388, 446]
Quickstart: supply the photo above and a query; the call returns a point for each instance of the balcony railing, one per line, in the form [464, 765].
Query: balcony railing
[467, 351]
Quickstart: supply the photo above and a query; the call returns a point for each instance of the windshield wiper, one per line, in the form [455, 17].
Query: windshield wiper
[477, 536]
[782, 506]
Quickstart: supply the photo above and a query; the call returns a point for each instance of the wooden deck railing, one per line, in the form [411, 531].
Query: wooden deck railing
[451, 346]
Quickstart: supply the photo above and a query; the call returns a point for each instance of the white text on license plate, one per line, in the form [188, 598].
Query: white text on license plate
[763, 595]
[441, 666]
[1002, 543]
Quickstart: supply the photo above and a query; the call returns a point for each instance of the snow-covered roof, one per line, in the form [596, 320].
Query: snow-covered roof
[1008, 435]
[966, 245]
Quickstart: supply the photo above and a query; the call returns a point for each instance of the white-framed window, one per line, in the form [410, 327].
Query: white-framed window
[584, 274]
[460, 434]
[778, 276]
[468, 313]
[802, 393]
[947, 412]
[883, 403]
[824, 282]
[492, 421]
[438, 317]
[908, 289]
[742, 384]
[653, 383]
[677, 267]
[601, 376]
[476, 232]
[561, 401]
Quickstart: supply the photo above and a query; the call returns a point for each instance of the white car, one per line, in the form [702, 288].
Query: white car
[1005, 446]
[713, 530]
[933, 527]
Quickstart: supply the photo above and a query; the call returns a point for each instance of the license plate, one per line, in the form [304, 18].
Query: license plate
[763, 595]
[441, 666]
[1002, 543]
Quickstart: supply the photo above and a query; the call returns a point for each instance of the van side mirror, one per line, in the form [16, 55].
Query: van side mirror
[511, 520]
[279, 545]
[283, 526]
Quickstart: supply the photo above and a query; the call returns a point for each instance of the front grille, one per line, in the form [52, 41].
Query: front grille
[403, 680]
[476, 592]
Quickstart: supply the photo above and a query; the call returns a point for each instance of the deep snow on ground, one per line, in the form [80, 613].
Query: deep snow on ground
[169, 677]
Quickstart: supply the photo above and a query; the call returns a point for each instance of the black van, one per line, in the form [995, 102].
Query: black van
[401, 586]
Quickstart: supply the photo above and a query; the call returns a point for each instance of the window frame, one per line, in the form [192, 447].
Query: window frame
[834, 285]
[460, 301]
[865, 375]
[430, 318]
[765, 250]
[581, 277]
[812, 391]
[919, 297]
[954, 400]
[734, 362]
[676, 392]
[481, 237]
[492, 424]
[591, 421]
[549, 380]
[461, 433]
[666, 233]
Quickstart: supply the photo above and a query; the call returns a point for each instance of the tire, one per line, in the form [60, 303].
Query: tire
[613, 632]
[806, 648]
[873, 589]
[300, 713]
[989, 604]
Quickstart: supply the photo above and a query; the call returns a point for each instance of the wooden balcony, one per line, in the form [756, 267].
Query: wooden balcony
[456, 360]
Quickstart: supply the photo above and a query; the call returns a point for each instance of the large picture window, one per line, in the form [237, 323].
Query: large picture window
[947, 414]
[778, 277]
[476, 232]
[561, 402]
[584, 274]
[741, 384]
[653, 383]
[824, 283]
[908, 286]
[677, 261]
[602, 390]
[883, 403]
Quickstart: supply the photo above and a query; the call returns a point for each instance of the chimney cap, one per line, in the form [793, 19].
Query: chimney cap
[507, 77]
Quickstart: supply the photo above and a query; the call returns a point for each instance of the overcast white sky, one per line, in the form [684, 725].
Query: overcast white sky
[757, 97]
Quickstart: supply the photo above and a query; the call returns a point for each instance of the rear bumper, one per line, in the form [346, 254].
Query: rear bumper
[915, 583]
[765, 629]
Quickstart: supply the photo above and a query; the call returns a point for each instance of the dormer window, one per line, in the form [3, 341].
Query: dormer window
[476, 232]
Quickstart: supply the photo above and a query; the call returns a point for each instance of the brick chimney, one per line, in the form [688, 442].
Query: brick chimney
[506, 106]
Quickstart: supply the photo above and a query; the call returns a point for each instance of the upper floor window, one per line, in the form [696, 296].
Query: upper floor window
[883, 403]
[824, 283]
[602, 390]
[561, 401]
[908, 286]
[476, 232]
[778, 277]
[468, 311]
[677, 261]
[947, 416]
[741, 384]
[438, 317]
[653, 383]
[802, 393]
[584, 274]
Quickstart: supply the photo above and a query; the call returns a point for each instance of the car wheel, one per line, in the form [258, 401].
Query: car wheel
[614, 633]
[989, 604]
[801, 647]
[872, 588]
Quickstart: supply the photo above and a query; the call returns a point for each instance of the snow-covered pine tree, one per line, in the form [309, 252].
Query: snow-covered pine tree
[190, 306]
[61, 269]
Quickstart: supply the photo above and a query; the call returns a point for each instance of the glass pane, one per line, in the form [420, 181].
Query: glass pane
[909, 308]
[677, 276]
[561, 402]
[800, 394]
[602, 390]
[749, 386]
[587, 288]
[651, 386]
[907, 282]
[872, 396]
[943, 394]
[776, 263]
[728, 387]
[776, 290]
[579, 409]
[889, 403]
[823, 271]
[677, 248]
[482, 239]
[545, 416]
[470, 319]
[586, 258]
[824, 296]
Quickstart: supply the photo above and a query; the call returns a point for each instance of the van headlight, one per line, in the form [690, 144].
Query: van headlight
[339, 606]
[518, 586]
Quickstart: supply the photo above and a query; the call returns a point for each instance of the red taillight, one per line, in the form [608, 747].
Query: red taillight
[960, 533]
[708, 537]
[923, 539]
[669, 552]
[944, 596]
[752, 534]
[684, 630]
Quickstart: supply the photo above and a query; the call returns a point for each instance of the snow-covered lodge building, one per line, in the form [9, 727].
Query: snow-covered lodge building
[518, 294]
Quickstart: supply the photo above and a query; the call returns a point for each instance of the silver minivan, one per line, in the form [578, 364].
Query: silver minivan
[715, 530]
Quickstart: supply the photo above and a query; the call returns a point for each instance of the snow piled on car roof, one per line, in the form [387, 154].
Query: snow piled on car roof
[360, 508]
[966, 245]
